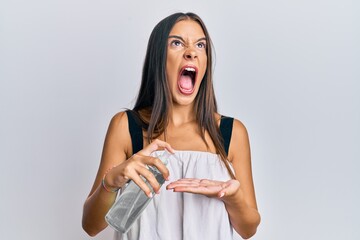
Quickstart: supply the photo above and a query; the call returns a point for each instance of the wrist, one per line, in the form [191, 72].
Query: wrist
[235, 199]
[107, 187]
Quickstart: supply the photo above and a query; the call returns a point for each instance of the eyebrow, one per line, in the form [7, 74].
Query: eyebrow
[178, 37]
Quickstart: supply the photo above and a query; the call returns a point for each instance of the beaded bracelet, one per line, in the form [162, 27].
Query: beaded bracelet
[108, 189]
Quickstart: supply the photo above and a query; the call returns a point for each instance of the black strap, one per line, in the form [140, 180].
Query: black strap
[226, 126]
[135, 132]
[135, 129]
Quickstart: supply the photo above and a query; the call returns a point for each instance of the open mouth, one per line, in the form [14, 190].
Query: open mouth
[187, 80]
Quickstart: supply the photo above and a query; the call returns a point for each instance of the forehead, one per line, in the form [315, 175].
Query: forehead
[188, 28]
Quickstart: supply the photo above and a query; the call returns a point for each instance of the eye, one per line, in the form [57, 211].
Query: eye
[176, 43]
[201, 45]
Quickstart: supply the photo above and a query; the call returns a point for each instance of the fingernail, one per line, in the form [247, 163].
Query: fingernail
[222, 194]
[150, 195]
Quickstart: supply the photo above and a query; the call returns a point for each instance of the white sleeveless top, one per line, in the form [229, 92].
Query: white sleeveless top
[185, 216]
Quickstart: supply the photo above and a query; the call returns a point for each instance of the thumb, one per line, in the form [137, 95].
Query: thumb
[229, 188]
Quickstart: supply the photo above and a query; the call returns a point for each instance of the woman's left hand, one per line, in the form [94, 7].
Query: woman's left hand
[209, 188]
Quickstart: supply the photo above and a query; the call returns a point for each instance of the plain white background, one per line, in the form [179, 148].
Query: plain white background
[288, 69]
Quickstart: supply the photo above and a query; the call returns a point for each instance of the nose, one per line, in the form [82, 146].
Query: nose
[190, 54]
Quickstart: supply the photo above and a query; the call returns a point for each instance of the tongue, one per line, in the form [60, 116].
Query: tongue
[186, 82]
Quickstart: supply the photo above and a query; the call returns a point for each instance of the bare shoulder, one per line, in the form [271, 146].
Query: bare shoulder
[118, 133]
[118, 126]
[119, 120]
[239, 130]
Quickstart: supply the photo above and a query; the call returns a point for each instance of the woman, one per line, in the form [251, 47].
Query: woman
[210, 189]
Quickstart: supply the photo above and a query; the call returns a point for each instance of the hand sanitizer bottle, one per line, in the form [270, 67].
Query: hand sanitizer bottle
[132, 201]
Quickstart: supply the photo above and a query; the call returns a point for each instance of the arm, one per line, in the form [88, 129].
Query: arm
[117, 152]
[241, 204]
[238, 194]
[99, 201]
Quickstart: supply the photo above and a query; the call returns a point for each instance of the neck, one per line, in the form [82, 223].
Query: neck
[181, 114]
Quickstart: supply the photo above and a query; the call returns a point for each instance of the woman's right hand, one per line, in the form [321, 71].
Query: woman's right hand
[136, 166]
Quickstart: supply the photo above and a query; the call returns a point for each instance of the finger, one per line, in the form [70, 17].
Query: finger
[209, 182]
[139, 166]
[161, 167]
[223, 192]
[196, 182]
[156, 162]
[209, 192]
[150, 178]
[186, 180]
[206, 187]
[142, 185]
[155, 145]
[181, 184]
[188, 189]
[201, 180]
[190, 182]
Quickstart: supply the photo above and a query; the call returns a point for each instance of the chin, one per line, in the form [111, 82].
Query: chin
[184, 100]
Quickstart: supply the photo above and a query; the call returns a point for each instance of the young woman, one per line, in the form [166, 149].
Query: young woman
[210, 189]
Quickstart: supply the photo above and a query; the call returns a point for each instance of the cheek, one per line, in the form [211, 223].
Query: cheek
[172, 64]
[203, 68]
[171, 74]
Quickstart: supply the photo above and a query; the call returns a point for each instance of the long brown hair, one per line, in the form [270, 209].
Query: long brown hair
[153, 101]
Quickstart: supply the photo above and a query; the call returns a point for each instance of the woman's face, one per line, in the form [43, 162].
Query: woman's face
[186, 61]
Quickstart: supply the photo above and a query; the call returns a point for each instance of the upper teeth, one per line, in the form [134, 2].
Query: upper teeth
[190, 69]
